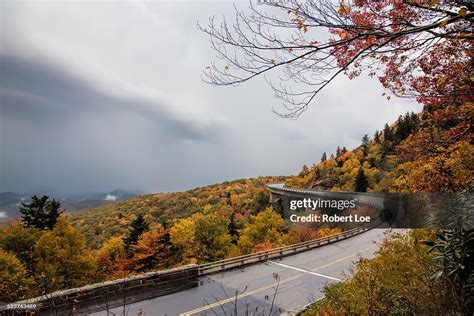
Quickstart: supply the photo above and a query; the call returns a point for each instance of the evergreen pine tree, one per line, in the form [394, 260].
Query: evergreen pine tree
[139, 226]
[387, 145]
[53, 209]
[377, 137]
[228, 199]
[399, 129]
[40, 213]
[324, 157]
[232, 228]
[365, 144]
[361, 183]
[387, 133]
[415, 120]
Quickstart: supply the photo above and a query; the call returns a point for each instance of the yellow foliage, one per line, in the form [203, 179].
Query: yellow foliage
[15, 283]
[183, 236]
[61, 257]
[448, 171]
[267, 226]
[396, 281]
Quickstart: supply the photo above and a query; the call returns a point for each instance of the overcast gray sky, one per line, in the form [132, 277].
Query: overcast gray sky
[97, 96]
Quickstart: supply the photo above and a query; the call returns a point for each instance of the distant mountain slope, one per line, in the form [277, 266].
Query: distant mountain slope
[6, 197]
[10, 202]
[95, 200]
[245, 196]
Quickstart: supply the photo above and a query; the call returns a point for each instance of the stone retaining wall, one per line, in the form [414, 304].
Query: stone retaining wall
[96, 297]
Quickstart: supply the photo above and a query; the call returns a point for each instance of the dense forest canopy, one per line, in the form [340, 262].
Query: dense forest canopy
[244, 196]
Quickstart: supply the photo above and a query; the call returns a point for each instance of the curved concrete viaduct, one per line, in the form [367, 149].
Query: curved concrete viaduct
[273, 286]
[278, 190]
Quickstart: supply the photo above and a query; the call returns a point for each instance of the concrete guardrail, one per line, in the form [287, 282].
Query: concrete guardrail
[241, 261]
[110, 294]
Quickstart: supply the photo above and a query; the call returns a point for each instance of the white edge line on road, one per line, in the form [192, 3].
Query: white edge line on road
[306, 271]
[258, 290]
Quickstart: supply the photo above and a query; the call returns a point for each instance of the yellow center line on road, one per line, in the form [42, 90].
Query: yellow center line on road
[231, 299]
[273, 285]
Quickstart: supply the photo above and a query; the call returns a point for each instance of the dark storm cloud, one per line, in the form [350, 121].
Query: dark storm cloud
[96, 96]
[43, 93]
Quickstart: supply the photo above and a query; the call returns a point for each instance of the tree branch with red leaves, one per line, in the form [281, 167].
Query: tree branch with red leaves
[415, 49]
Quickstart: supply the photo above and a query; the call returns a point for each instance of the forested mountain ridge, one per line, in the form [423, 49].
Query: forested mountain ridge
[244, 196]
[431, 152]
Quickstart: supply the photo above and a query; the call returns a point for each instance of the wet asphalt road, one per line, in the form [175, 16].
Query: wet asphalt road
[302, 278]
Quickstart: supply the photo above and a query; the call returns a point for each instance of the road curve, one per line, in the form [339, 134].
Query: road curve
[302, 278]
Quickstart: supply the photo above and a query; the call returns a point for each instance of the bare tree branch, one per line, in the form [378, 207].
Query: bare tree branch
[297, 47]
